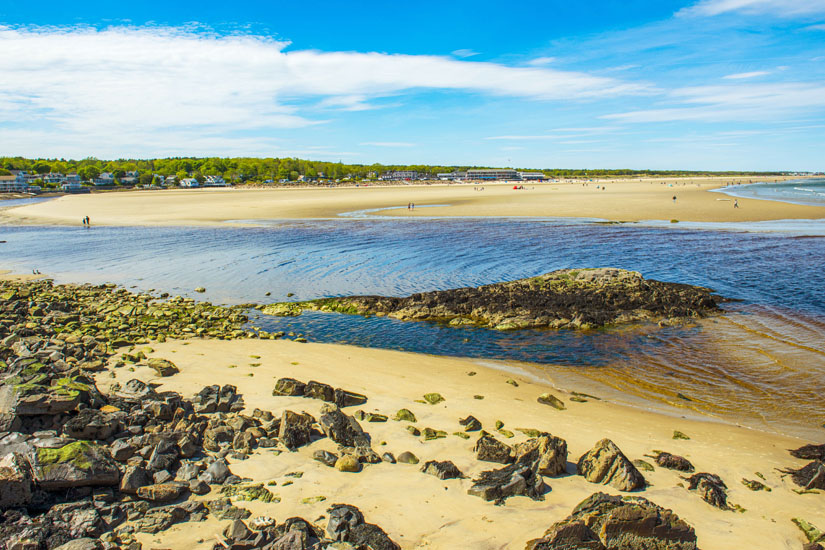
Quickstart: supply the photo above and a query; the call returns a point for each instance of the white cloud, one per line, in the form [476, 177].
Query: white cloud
[389, 144]
[820, 27]
[541, 61]
[168, 84]
[741, 76]
[784, 8]
[559, 133]
[746, 103]
[464, 52]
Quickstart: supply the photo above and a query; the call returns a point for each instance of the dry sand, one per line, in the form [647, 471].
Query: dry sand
[622, 200]
[420, 511]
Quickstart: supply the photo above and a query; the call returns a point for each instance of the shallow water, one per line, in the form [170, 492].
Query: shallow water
[762, 363]
[803, 191]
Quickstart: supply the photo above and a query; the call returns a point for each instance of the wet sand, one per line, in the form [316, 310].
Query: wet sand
[614, 200]
[420, 511]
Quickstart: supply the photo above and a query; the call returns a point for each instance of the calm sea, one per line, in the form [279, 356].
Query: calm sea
[762, 363]
[803, 191]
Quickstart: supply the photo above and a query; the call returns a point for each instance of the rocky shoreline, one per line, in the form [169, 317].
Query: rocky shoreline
[83, 469]
[568, 298]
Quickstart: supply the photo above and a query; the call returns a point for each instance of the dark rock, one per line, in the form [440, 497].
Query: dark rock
[84, 543]
[622, 523]
[674, 462]
[512, 480]
[344, 398]
[367, 535]
[810, 476]
[91, 424]
[442, 470]
[471, 424]
[237, 531]
[547, 451]
[325, 457]
[15, 482]
[223, 508]
[295, 430]
[160, 519]
[317, 390]
[606, 464]
[341, 428]
[134, 478]
[288, 386]
[810, 452]
[217, 472]
[162, 492]
[122, 450]
[711, 488]
[198, 487]
[77, 464]
[342, 519]
[490, 449]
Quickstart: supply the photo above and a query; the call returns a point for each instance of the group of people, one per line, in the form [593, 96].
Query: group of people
[86, 220]
[410, 206]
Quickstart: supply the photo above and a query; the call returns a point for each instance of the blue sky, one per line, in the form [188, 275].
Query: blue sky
[699, 84]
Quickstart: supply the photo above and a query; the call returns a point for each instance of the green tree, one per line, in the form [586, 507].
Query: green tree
[146, 178]
[42, 168]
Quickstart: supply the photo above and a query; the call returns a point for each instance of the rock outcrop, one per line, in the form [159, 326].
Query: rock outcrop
[606, 464]
[568, 298]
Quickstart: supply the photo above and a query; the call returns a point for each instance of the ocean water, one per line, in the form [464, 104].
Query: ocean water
[803, 191]
[762, 363]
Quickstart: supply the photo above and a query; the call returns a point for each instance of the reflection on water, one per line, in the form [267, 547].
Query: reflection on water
[764, 361]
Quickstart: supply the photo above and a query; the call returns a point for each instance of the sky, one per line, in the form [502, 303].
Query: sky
[692, 84]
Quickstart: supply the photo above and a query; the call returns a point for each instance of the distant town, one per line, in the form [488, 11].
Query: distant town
[33, 176]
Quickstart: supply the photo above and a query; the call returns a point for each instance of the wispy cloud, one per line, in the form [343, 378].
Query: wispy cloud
[742, 76]
[541, 61]
[464, 52]
[754, 102]
[388, 144]
[559, 134]
[783, 8]
[165, 84]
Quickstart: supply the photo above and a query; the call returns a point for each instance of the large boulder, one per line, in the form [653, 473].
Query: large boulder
[548, 451]
[346, 524]
[76, 464]
[288, 386]
[92, 424]
[490, 449]
[318, 390]
[604, 521]
[512, 480]
[163, 367]
[442, 470]
[15, 481]
[341, 428]
[606, 464]
[296, 429]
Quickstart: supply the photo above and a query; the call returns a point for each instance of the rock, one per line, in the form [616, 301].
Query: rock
[342, 519]
[121, 450]
[407, 458]
[288, 386]
[133, 479]
[604, 521]
[341, 428]
[679, 435]
[754, 485]
[711, 488]
[160, 519]
[442, 470]
[370, 417]
[549, 452]
[223, 509]
[91, 424]
[84, 543]
[433, 398]
[345, 398]
[430, 433]
[405, 415]
[77, 464]
[388, 457]
[200, 289]
[674, 462]
[552, 400]
[217, 472]
[348, 463]
[471, 424]
[371, 536]
[810, 452]
[512, 480]
[237, 531]
[317, 390]
[606, 464]
[255, 491]
[643, 465]
[295, 429]
[163, 367]
[198, 487]
[811, 532]
[15, 482]
[162, 492]
[490, 449]
[325, 457]
[810, 476]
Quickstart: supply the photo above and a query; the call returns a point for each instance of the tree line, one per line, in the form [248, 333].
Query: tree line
[251, 169]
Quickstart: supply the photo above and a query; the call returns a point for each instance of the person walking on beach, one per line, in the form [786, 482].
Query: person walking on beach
[674, 198]
[736, 203]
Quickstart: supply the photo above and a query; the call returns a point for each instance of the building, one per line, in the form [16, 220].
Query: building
[451, 176]
[74, 188]
[106, 178]
[532, 176]
[399, 175]
[189, 183]
[130, 178]
[215, 181]
[171, 180]
[11, 184]
[492, 174]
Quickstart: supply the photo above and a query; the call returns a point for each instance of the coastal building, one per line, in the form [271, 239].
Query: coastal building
[492, 174]
[189, 183]
[532, 176]
[105, 178]
[451, 176]
[171, 180]
[130, 178]
[215, 181]
[74, 188]
[11, 184]
[399, 175]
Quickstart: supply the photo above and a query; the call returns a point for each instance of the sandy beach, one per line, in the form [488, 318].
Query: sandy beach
[420, 511]
[614, 200]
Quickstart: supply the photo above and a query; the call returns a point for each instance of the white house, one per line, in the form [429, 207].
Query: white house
[189, 182]
[106, 178]
[215, 181]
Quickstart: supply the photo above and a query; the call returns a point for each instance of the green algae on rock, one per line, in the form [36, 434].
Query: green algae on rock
[567, 298]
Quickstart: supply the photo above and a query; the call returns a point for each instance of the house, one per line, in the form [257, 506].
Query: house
[71, 178]
[53, 177]
[451, 176]
[106, 178]
[399, 175]
[130, 178]
[170, 180]
[215, 181]
[189, 183]
[532, 176]
[10, 184]
[75, 188]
